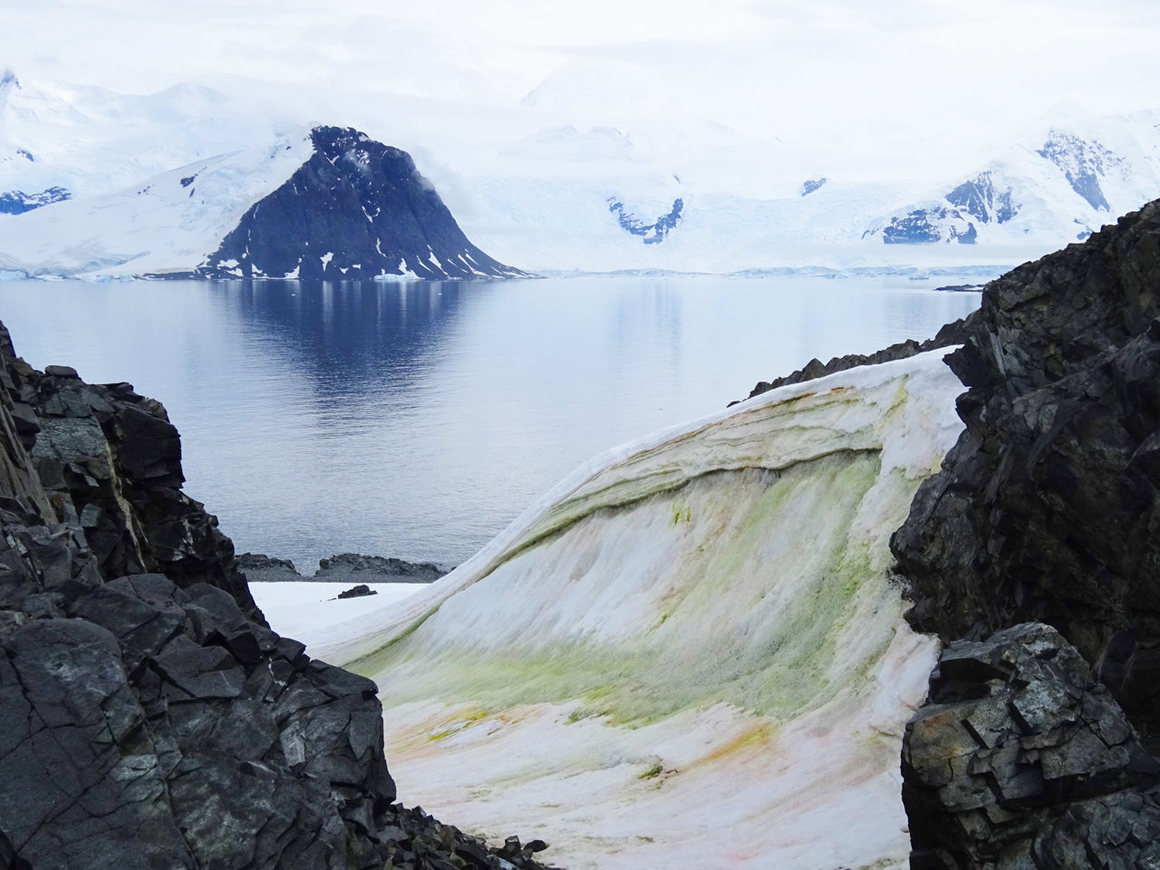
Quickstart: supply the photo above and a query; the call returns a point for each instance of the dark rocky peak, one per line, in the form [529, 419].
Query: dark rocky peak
[357, 209]
[335, 142]
[1083, 162]
[975, 200]
[1048, 507]
[978, 197]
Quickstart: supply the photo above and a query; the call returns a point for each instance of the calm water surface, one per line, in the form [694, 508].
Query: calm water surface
[417, 420]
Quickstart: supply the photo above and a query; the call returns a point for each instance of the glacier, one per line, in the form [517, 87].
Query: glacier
[691, 651]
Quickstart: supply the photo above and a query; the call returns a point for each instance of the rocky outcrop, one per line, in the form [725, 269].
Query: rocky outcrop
[950, 334]
[357, 209]
[109, 461]
[18, 202]
[148, 716]
[376, 569]
[650, 233]
[1048, 507]
[340, 568]
[1020, 758]
[260, 568]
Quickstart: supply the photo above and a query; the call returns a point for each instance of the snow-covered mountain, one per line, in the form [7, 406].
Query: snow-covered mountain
[216, 194]
[1059, 188]
[94, 183]
[355, 208]
[595, 212]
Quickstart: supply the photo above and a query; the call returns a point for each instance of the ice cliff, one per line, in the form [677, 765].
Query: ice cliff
[691, 652]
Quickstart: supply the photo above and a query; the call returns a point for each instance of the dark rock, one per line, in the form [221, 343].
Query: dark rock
[1048, 507]
[355, 210]
[360, 591]
[18, 202]
[959, 288]
[259, 568]
[1083, 163]
[650, 233]
[340, 568]
[149, 718]
[978, 198]
[1020, 758]
[953, 219]
[376, 569]
[812, 184]
[109, 462]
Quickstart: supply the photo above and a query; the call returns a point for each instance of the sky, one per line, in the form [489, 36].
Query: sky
[880, 78]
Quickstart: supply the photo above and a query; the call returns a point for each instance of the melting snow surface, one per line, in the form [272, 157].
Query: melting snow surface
[689, 653]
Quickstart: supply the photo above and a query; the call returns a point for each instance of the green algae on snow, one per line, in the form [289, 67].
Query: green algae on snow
[763, 574]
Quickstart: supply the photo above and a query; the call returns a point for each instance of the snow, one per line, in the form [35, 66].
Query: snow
[690, 652]
[301, 609]
[151, 227]
[539, 198]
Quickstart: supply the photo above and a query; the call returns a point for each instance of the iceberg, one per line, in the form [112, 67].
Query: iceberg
[689, 653]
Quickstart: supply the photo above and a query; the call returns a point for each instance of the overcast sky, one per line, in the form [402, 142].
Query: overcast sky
[890, 71]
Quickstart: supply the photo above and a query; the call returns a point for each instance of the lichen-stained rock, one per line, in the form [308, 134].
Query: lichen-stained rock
[1048, 507]
[1020, 759]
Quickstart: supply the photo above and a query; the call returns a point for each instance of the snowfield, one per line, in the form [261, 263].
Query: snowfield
[689, 653]
[156, 182]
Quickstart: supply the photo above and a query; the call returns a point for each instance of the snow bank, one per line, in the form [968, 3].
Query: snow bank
[689, 653]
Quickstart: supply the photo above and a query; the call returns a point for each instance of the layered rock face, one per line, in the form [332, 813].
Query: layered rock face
[356, 209]
[109, 462]
[148, 716]
[1047, 509]
[1022, 759]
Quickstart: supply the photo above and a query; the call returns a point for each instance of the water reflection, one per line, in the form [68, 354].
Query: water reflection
[362, 330]
[417, 419]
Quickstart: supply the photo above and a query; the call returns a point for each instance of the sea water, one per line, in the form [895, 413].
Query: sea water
[417, 419]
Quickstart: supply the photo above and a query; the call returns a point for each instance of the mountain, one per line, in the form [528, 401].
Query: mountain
[98, 184]
[1061, 187]
[355, 208]
[186, 183]
[803, 205]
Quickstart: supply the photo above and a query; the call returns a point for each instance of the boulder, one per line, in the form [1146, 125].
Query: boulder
[1021, 759]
